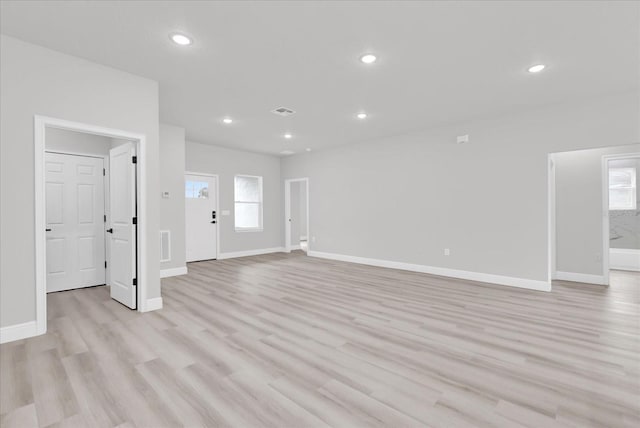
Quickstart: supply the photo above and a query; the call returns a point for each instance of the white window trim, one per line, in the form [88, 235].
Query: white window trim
[632, 188]
[260, 204]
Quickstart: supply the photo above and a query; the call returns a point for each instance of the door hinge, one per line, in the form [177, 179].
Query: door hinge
[134, 159]
[135, 281]
[104, 172]
[105, 264]
[135, 220]
[105, 218]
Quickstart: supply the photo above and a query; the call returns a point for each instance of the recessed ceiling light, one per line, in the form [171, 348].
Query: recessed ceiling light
[227, 120]
[308, 149]
[288, 136]
[181, 39]
[362, 115]
[368, 58]
[287, 152]
[536, 68]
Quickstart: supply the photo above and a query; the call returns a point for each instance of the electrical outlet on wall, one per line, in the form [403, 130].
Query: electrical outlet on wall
[447, 252]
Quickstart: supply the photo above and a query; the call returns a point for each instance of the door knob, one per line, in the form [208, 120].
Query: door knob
[213, 222]
[47, 230]
[110, 230]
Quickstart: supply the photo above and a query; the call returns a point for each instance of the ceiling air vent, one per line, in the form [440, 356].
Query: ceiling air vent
[283, 111]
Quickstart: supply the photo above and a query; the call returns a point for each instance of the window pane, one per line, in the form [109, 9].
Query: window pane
[621, 177]
[196, 189]
[621, 199]
[247, 215]
[247, 189]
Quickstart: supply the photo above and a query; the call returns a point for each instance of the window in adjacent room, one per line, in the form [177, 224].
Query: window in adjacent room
[248, 203]
[622, 189]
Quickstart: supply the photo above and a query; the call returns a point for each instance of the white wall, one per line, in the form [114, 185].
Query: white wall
[39, 81]
[408, 197]
[227, 163]
[172, 153]
[579, 209]
[64, 141]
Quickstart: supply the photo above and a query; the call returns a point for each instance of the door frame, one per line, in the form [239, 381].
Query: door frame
[605, 209]
[551, 219]
[40, 125]
[287, 212]
[218, 211]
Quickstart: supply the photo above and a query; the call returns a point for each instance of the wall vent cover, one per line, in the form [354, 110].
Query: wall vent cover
[283, 111]
[165, 246]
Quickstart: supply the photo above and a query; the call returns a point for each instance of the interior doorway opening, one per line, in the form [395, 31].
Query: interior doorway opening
[594, 217]
[297, 235]
[90, 203]
[622, 222]
[90, 213]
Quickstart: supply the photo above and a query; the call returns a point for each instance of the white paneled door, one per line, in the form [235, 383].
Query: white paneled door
[75, 221]
[122, 224]
[201, 217]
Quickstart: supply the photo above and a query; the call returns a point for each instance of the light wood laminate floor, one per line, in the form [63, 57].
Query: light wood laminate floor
[292, 341]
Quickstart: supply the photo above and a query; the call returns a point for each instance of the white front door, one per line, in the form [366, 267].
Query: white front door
[122, 224]
[201, 217]
[75, 221]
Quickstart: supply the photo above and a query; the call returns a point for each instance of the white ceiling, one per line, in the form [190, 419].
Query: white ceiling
[438, 61]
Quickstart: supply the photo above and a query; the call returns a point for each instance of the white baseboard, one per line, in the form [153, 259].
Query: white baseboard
[153, 304]
[18, 331]
[580, 277]
[166, 273]
[247, 253]
[624, 259]
[530, 284]
[295, 247]
[303, 238]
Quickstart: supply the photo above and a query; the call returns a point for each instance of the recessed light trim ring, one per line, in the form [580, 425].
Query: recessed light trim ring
[368, 58]
[536, 68]
[181, 39]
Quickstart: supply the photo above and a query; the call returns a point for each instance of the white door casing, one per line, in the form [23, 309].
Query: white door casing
[201, 217]
[40, 126]
[122, 230]
[74, 198]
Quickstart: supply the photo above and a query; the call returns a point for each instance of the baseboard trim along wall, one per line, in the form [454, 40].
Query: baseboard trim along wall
[18, 331]
[233, 255]
[580, 277]
[624, 259]
[153, 304]
[166, 273]
[29, 329]
[530, 284]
